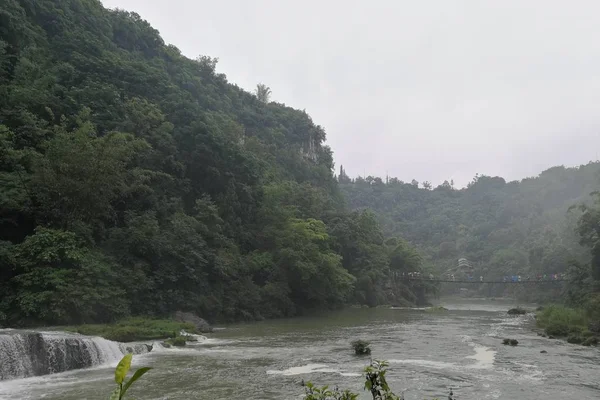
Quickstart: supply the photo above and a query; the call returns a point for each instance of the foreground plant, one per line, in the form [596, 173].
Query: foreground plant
[375, 383]
[315, 393]
[120, 374]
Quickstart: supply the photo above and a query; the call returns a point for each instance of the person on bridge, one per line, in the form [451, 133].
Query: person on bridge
[481, 278]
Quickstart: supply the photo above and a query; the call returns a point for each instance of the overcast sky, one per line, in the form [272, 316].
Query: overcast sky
[430, 90]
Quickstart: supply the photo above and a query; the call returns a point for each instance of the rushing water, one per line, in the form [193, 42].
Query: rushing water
[428, 354]
[27, 353]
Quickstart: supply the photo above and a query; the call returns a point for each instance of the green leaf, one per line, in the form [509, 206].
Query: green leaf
[116, 394]
[137, 375]
[123, 368]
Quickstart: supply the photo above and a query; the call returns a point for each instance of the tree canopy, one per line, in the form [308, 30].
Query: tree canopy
[502, 228]
[136, 181]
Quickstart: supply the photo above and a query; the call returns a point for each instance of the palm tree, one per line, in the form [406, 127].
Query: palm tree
[263, 92]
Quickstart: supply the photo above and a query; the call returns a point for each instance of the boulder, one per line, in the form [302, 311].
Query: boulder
[200, 324]
[543, 352]
[517, 311]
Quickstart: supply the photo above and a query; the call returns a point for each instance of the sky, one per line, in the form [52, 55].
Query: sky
[426, 90]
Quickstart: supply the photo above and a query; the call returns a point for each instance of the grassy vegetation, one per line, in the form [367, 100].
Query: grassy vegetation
[178, 341]
[570, 323]
[562, 321]
[134, 329]
[436, 309]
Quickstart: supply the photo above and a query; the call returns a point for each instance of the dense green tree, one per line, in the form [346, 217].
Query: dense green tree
[502, 228]
[58, 279]
[134, 180]
[589, 229]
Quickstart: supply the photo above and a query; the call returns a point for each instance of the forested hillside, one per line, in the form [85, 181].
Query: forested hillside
[136, 181]
[502, 228]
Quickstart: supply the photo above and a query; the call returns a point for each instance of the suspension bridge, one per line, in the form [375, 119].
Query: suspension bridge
[479, 282]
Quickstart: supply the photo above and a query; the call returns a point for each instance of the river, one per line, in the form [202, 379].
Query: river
[429, 353]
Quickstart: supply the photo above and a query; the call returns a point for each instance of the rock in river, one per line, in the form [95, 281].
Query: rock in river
[200, 324]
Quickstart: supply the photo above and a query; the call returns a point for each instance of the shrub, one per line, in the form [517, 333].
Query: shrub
[576, 329]
[557, 330]
[575, 339]
[591, 341]
[315, 393]
[560, 321]
[178, 341]
[361, 347]
[593, 307]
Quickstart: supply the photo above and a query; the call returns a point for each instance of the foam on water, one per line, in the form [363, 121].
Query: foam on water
[484, 357]
[198, 338]
[304, 369]
[427, 363]
[25, 353]
[309, 369]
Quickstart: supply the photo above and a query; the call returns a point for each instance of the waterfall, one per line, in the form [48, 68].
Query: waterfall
[27, 353]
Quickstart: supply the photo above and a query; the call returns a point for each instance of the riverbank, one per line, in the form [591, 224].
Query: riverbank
[574, 325]
[133, 329]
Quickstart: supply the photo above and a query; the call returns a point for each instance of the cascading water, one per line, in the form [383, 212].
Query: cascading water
[26, 353]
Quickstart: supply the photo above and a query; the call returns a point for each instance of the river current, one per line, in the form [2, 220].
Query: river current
[429, 353]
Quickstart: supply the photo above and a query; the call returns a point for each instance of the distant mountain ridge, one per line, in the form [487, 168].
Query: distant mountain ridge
[502, 227]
